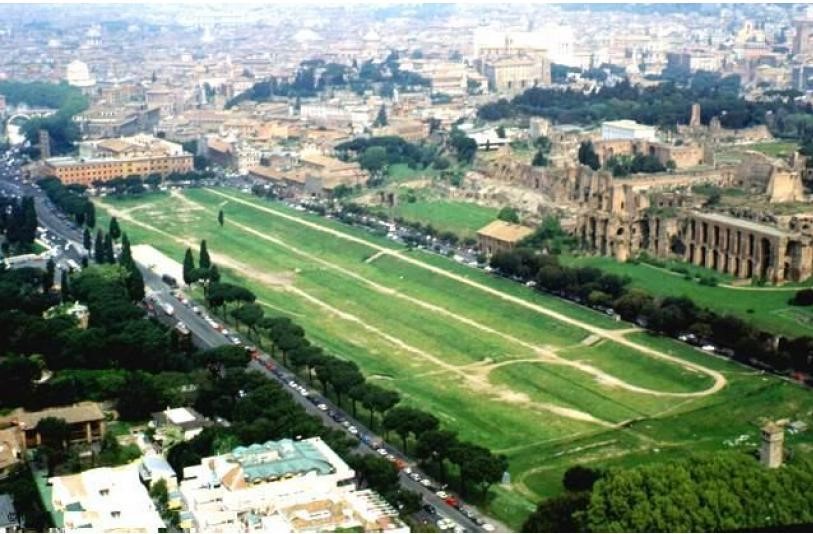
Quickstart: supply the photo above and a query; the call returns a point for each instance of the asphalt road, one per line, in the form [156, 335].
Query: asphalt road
[61, 231]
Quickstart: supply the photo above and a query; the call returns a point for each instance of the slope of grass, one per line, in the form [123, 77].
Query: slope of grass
[764, 307]
[488, 385]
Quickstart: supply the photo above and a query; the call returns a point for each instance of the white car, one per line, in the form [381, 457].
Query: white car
[425, 482]
[353, 430]
[382, 451]
[442, 494]
[488, 527]
[415, 476]
[709, 348]
[322, 406]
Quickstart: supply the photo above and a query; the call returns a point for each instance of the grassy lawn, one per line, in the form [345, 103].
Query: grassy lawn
[461, 218]
[774, 149]
[764, 307]
[401, 172]
[483, 358]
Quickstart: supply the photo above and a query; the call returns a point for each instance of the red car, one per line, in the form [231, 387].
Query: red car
[452, 501]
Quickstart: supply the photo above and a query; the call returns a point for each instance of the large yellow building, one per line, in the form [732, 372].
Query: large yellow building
[107, 159]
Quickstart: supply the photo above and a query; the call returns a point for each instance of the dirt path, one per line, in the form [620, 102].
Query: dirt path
[719, 379]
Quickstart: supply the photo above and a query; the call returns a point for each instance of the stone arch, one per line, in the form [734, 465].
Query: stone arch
[765, 257]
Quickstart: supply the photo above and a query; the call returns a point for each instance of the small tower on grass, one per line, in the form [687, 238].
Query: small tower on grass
[771, 452]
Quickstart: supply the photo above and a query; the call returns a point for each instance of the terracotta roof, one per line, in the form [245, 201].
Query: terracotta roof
[77, 413]
[505, 231]
[220, 146]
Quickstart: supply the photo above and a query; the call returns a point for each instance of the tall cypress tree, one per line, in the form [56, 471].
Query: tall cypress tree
[188, 267]
[98, 248]
[109, 254]
[204, 262]
[86, 239]
[64, 288]
[90, 214]
[114, 230]
[126, 254]
[220, 217]
[135, 283]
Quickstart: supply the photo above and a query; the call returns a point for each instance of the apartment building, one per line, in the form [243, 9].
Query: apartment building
[107, 159]
[107, 499]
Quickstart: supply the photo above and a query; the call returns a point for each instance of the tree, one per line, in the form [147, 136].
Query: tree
[64, 288]
[109, 254]
[188, 266]
[204, 262]
[587, 155]
[138, 397]
[374, 160]
[114, 231]
[477, 465]
[398, 420]
[55, 434]
[126, 257]
[249, 314]
[86, 239]
[379, 400]
[344, 375]
[540, 159]
[508, 214]
[803, 297]
[381, 118]
[436, 446]
[580, 478]
[134, 282]
[501, 131]
[724, 492]
[90, 215]
[220, 218]
[98, 248]
[48, 275]
[559, 514]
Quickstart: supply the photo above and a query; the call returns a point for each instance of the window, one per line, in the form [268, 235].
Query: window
[104, 492]
[115, 514]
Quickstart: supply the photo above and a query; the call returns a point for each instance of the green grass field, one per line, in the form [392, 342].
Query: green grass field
[774, 149]
[539, 379]
[461, 218]
[764, 307]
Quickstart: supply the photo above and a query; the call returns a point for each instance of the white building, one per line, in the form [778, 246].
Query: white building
[280, 486]
[77, 74]
[626, 130]
[107, 499]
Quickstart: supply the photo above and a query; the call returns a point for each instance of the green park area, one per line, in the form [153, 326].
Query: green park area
[460, 218]
[765, 307]
[776, 149]
[545, 382]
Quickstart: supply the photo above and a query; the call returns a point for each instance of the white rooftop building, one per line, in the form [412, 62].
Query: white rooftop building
[626, 130]
[107, 499]
[281, 486]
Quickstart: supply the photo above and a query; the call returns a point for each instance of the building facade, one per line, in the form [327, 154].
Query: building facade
[107, 159]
